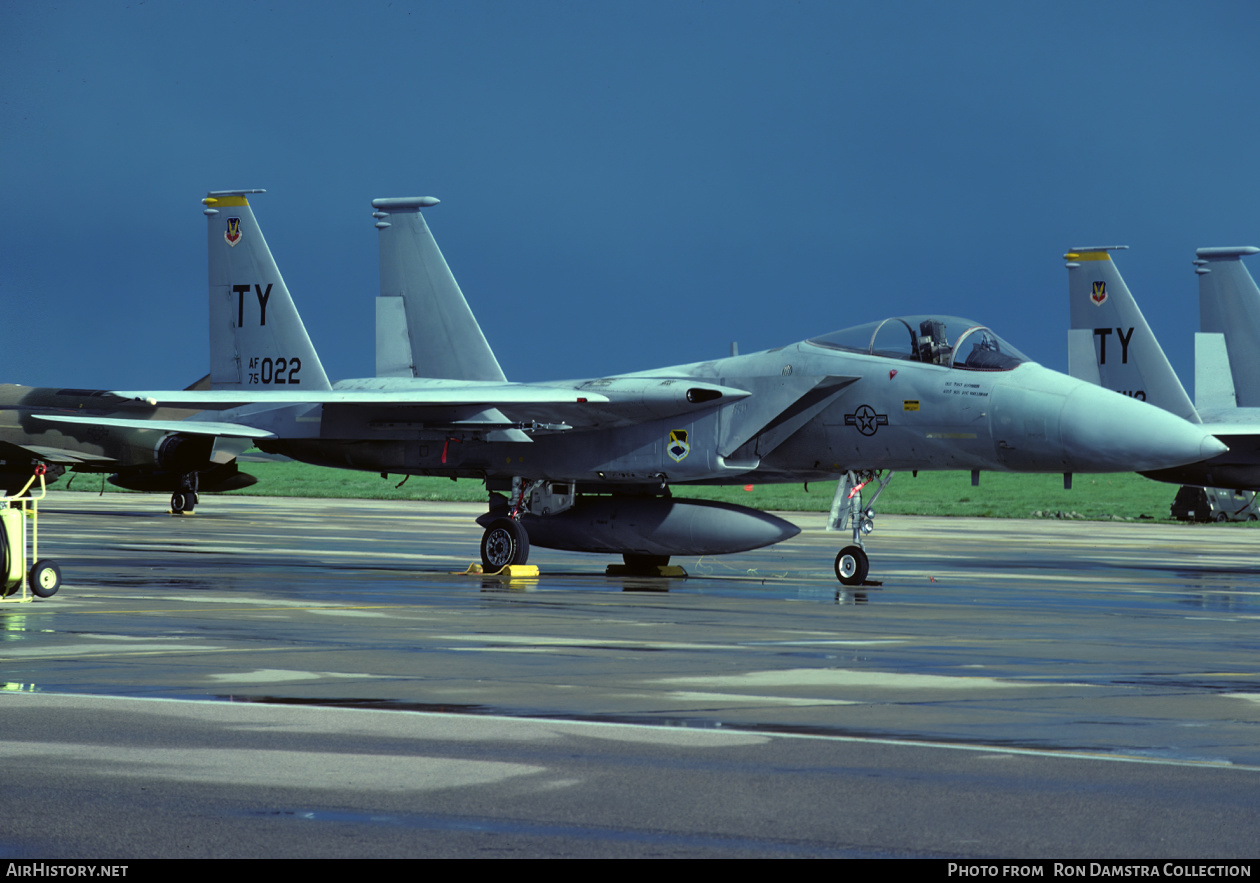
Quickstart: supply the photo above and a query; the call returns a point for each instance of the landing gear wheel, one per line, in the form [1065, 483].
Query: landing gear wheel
[852, 566]
[45, 578]
[504, 542]
[183, 501]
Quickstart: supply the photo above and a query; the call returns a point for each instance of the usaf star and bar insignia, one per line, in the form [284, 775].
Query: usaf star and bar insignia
[866, 420]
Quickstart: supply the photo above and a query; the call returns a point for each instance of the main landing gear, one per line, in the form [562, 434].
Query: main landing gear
[185, 499]
[505, 541]
[852, 564]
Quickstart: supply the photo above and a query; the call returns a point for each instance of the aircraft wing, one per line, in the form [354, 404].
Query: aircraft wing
[488, 395]
[191, 427]
[615, 401]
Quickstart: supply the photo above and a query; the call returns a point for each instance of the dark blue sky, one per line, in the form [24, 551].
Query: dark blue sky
[623, 185]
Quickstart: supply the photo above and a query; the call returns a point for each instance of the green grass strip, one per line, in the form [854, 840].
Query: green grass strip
[1000, 495]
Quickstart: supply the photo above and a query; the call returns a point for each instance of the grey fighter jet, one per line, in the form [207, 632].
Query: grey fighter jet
[1111, 344]
[140, 446]
[588, 465]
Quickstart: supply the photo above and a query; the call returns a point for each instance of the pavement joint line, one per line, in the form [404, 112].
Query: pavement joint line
[1050, 754]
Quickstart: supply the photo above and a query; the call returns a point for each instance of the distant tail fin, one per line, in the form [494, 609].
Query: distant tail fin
[424, 327]
[1213, 381]
[1229, 304]
[1110, 343]
[257, 338]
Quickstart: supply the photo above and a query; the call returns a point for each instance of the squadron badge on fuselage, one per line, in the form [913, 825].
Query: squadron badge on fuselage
[678, 447]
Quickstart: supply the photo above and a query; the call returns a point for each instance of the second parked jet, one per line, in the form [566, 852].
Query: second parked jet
[588, 465]
[1111, 344]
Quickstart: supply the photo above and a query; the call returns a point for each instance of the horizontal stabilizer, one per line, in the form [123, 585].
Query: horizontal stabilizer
[51, 454]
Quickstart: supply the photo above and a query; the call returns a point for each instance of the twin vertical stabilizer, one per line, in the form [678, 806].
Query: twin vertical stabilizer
[1229, 305]
[1110, 343]
[257, 339]
[424, 327]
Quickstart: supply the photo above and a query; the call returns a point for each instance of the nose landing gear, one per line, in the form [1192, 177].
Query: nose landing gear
[852, 563]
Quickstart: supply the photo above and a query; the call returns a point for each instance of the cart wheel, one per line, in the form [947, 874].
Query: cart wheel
[6, 588]
[45, 578]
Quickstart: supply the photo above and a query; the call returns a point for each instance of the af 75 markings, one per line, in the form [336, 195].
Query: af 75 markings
[274, 370]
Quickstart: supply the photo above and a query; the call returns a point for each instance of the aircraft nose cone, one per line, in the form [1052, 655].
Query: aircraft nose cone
[1103, 431]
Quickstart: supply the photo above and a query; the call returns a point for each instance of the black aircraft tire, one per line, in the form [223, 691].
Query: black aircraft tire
[852, 566]
[505, 542]
[45, 578]
[183, 501]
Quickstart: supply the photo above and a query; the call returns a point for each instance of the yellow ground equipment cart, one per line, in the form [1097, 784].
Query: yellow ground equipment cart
[16, 581]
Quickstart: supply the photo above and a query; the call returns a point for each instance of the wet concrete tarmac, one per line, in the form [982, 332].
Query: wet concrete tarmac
[1017, 688]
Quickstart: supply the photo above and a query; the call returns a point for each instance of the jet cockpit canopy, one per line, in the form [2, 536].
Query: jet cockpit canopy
[927, 339]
